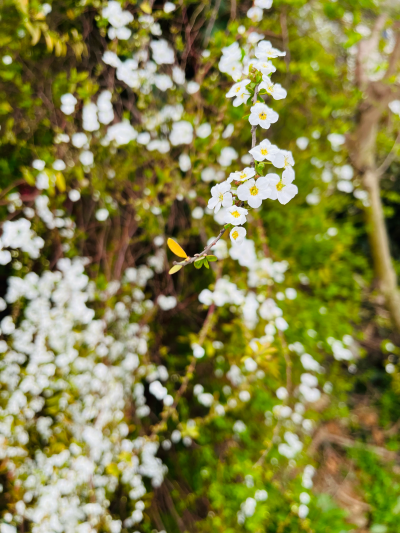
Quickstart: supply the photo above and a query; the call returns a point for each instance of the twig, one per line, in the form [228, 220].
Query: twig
[389, 159]
[191, 260]
[211, 23]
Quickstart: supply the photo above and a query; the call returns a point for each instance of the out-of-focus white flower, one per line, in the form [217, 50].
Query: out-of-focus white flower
[237, 235]
[102, 215]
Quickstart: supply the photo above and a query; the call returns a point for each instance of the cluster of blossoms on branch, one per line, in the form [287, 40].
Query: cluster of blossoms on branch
[246, 189]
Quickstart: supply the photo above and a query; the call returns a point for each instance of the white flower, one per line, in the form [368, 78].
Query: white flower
[166, 302]
[121, 133]
[89, 117]
[242, 175]
[262, 115]
[282, 190]
[265, 50]
[79, 139]
[345, 186]
[110, 58]
[236, 215]
[198, 351]
[254, 192]
[59, 165]
[102, 215]
[38, 164]
[255, 14]
[162, 53]
[184, 162]
[284, 159]
[237, 235]
[302, 142]
[265, 151]
[182, 133]
[86, 158]
[204, 130]
[265, 67]
[74, 195]
[336, 140]
[220, 196]
[394, 107]
[228, 154]
[163, 82]
[192, 87]
[178, 75]
[274, 89]
[197, 213]
[169, 7]
[264, 4]
[240, 92]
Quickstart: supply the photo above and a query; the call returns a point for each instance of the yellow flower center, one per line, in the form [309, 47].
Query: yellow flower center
[279, 186]
[220, 197]
[238, 89]
[262, 116]
[235, 214]
[270, 88]
[243, 175]
[264, 151]
[235, 235]
[254, 191]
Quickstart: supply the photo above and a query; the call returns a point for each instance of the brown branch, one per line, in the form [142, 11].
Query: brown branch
[190, 260]
[324, 436]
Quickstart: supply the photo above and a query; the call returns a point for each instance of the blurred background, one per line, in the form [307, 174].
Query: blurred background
[258, 393]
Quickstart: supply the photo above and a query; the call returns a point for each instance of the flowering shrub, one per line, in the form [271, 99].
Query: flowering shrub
[136, 401]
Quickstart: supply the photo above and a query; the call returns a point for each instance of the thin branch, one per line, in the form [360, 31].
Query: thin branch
[205, 252]
[389, 158]
[211, 23]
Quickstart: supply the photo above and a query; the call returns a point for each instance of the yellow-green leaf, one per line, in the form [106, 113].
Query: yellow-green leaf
[174, 269]
[60, 182]
[145, 6]
[178, 250]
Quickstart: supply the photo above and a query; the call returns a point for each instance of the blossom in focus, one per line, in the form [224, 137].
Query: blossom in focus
[236, 215]
[254, 191]
[239, 91]
[262, 115]
[220, 196]
[273, 89]
[242, 175]
[282, 190]
[265, 151]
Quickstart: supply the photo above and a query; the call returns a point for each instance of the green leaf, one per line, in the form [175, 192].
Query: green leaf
[206, 263]
[211, 258]
[246, 116]
[199, 263]
[228, 226]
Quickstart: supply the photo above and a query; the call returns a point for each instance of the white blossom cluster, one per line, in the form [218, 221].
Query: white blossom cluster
[246, 189]
[68, 378]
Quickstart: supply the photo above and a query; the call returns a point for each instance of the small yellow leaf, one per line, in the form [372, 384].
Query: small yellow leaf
[145, 6]
[60, 182]
[174, 269]
[178, 250]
